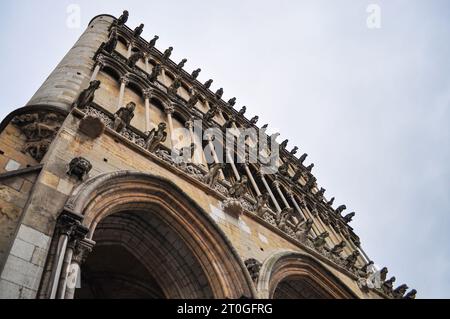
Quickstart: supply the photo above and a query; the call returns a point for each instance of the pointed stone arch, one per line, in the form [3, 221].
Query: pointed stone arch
[126, 193]
[308, 274]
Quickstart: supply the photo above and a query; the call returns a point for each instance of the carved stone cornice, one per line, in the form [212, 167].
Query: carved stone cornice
[39, 129]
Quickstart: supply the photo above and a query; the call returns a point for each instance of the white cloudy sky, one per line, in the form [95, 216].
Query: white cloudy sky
[370, 106]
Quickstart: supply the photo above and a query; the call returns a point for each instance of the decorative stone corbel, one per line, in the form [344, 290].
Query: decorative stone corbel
[79, 167]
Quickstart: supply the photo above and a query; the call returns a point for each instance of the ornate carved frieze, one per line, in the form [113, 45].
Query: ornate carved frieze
[39, 128]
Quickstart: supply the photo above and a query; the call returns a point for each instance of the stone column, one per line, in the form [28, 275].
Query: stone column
[252, 180]
[66, 226]
[274, 200]
[80, 253]
[78, 234]
[215, 157]
[64, 271]
[233, 165]
[123, 83]
[169, 111]
[130, 46]
[147, 97]
[276, 184]
[190, 126]
[163, 73]
[363, 253]
[147, 69]
[297, 207]
[315, 230]
[97, 68]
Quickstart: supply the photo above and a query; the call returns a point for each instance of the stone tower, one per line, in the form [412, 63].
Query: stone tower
[117, 180]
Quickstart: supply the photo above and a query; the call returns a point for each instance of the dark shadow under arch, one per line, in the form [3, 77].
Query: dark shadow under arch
[288, 274]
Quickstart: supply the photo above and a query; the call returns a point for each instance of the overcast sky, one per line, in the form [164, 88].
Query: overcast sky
[370, 106]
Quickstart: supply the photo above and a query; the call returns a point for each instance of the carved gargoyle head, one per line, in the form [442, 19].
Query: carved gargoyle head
[411, 294]
[79, 167]
[94, 85]
[162, 126]
[131, 106]
[324, 235]
[401, 290]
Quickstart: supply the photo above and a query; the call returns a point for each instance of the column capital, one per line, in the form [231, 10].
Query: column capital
[82, 249]
[100, 60]
[125, 79]
[147, 93]
[70, 224]
[260, 174]
[67, 222]
[169, 109]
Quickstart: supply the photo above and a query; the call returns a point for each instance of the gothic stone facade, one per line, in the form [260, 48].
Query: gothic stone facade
[93, 206]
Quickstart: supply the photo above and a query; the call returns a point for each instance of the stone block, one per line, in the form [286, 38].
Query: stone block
[26, 187]
[32, 236]
[49, 179]
[263, 238]
[22, 273]
[15, 183]
[22, 249]
[8, 290]
[39, 256]
[64, 187]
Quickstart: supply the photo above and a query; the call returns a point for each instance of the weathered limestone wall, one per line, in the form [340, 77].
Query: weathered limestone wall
[74, 71]
[14, 191]
[12, 158]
